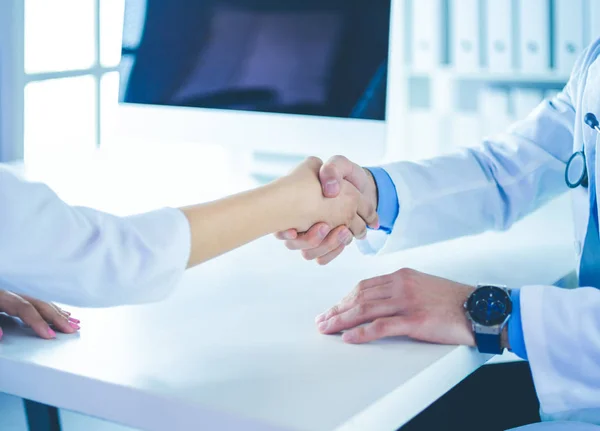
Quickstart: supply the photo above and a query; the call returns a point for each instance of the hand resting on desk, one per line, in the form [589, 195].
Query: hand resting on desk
[404, 303]
[37, 314]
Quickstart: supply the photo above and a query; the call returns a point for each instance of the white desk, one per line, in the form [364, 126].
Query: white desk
[235, 347]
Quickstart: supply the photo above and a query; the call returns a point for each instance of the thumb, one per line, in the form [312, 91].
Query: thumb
[334, 171]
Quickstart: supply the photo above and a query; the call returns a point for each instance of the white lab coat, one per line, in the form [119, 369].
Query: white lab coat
[83, 257]
[495, 185]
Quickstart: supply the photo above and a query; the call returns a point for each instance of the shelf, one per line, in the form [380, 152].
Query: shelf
[486, 76]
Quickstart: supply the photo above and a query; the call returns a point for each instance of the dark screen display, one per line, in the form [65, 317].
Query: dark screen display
[307, 57]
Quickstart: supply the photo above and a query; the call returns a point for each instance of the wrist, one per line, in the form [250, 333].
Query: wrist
[285, 203]
[296, 201]
[371, 190]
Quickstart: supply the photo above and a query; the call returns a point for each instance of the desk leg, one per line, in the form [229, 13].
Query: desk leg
[41, 417]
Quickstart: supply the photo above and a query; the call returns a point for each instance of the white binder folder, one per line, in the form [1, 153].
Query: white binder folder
[593, 19]
[569, 33]
[465, 35]
[499, 46]
[534, 31]
[426, 39]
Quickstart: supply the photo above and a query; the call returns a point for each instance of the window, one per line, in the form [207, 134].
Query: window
[72, 49]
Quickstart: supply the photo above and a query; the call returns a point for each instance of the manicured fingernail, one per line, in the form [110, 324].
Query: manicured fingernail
[51, 333]
[74, 325]
[288, 235]
[323, 326]
[345, 237]
[323, 231]
[71, 319]
[320, 318]
[332, 187]
[349, 337]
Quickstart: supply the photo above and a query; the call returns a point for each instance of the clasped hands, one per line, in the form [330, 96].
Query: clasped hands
[404, 303]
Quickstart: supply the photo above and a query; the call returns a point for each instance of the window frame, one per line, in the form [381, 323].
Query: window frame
[14, 79]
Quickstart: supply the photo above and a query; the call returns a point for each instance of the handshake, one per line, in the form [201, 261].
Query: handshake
[334, 202]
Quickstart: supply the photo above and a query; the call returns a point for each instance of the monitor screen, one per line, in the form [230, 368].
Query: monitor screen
[324, 58]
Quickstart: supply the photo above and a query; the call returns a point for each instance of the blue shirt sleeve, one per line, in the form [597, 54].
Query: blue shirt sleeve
[387, 202]
[516, 338]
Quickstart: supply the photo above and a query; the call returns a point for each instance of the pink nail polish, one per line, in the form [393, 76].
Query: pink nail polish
[51, 333]
[74, 325]
[71, 319]
[1, 333]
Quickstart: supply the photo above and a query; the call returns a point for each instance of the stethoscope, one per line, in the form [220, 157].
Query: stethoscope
[576, 171]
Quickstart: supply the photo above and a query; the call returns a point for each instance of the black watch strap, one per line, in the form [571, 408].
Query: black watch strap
[489, 343]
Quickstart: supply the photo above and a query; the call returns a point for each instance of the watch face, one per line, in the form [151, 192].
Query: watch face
[489, 305]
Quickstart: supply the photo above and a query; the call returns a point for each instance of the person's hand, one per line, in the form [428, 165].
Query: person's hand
[39, 315]
[309, 206]
[405, 303]
[324, 242]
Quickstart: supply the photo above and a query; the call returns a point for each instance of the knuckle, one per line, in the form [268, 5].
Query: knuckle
[313, 159]
[338, 158]
[26, 309]
[335, 321]
[405, 273]
[358, 297]
[314, 241]
[362, 285]
[333, 311]
[380, 326]
[362, 232]
[371, 213]
[362, 308]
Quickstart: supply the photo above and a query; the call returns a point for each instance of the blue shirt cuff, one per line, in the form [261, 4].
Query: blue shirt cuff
[387, 203]
[516, 339]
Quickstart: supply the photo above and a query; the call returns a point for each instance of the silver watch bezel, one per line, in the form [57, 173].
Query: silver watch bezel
[478, 328]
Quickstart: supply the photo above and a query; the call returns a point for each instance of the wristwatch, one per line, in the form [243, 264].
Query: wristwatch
[489, 308]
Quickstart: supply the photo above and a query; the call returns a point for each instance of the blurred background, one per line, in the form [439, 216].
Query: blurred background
[373, 79]
[458, 70]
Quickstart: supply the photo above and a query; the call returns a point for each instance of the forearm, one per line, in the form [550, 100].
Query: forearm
[220, 226]
[84, 257]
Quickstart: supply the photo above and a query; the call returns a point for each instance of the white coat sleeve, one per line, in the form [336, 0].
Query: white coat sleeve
[484, 188]
[561, 328]
[83, 257]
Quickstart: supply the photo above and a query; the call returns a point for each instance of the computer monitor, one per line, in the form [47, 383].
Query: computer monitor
[291, 77]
